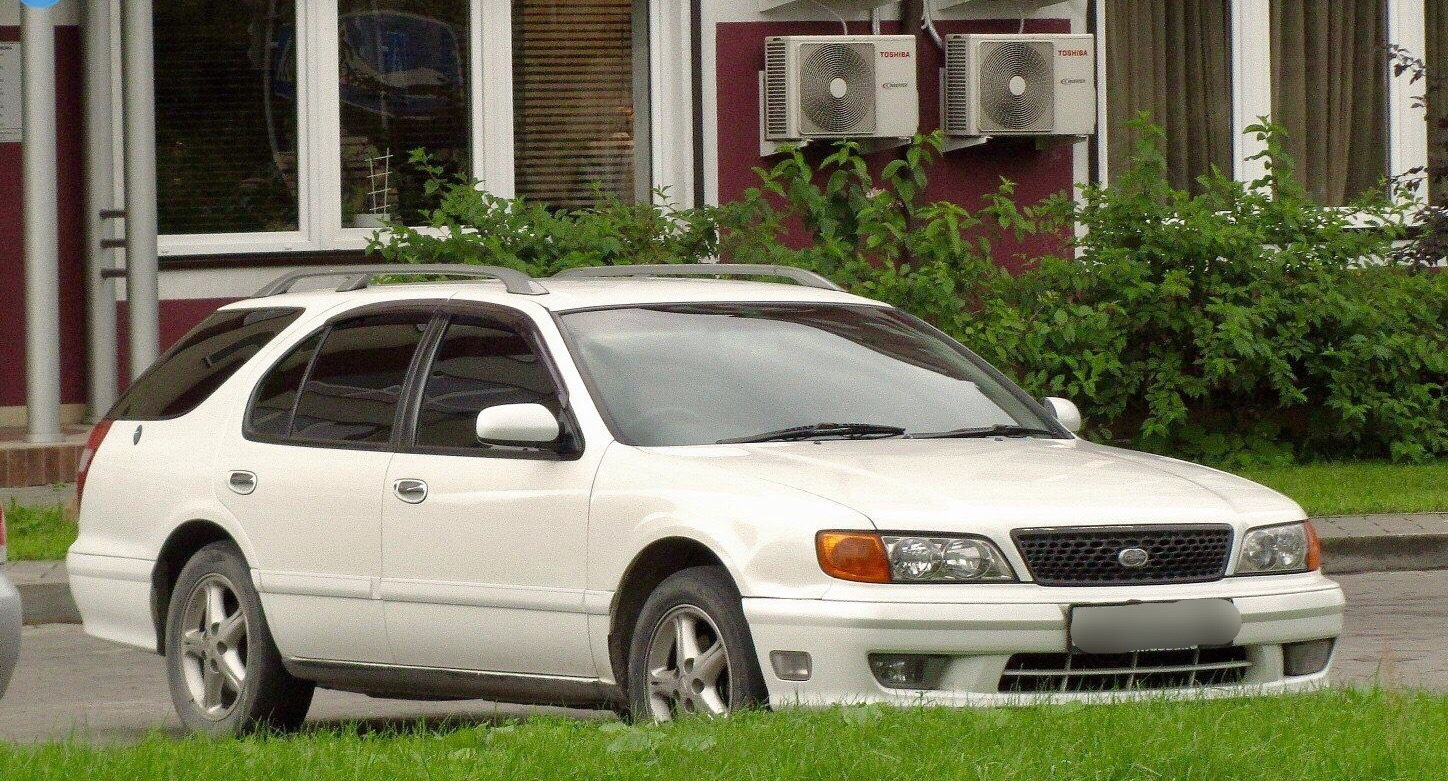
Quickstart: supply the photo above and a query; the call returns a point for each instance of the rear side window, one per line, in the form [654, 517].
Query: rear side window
[479, 364]
[270, 416]
[354, 385]
[201, 362]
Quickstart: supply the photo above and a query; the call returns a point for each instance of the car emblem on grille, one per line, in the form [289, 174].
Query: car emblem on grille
[1133, 558]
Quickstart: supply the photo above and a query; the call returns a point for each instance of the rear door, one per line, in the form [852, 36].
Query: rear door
[486, 569]
[307, 481]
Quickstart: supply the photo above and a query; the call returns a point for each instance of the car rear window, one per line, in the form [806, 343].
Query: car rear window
[201, 362]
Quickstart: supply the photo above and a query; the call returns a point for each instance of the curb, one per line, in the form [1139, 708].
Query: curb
[47, 603]
[1356, 555]
[50, 601]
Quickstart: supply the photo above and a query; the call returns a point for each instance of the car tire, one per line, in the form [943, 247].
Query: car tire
[225, 673]
[698, 610]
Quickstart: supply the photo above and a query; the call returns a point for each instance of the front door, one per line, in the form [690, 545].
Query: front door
[484, 547]
[307, 482]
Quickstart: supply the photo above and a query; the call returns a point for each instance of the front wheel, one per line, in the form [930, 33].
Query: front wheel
[226, 675]
[692, 651]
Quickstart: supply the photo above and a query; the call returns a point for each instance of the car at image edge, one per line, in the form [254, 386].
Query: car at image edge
[616, 487]
[11, 616]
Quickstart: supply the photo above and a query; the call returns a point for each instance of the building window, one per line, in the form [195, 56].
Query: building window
[402, 85]
[226, 117]
[1172, 60]
[580, 96]
[287, 126]
[1330, 90]
[1206, 70]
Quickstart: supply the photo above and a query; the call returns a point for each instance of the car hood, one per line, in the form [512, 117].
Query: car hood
[994, 485]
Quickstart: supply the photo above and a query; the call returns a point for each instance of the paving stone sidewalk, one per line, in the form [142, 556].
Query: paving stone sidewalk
[1351, 544]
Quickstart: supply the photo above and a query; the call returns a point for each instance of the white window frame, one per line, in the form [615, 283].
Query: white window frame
[490, 65]
[1251, 58]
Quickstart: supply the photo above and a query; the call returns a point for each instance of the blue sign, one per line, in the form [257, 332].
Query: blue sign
[39, 3]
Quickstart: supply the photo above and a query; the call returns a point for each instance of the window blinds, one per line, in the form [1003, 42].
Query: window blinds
[575, 98]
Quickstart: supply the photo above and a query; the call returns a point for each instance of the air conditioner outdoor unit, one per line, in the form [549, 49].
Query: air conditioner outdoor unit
[839, 87]
[1015, 85]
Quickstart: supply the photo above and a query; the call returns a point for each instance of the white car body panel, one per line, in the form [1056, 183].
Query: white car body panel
[318, 543]
[514, 565]
[11, 618]
[499, 549]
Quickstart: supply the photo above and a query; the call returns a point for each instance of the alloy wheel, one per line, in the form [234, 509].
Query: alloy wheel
[214, 647]
[688, 666]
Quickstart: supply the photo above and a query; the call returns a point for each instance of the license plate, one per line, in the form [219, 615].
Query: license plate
[1153, 626]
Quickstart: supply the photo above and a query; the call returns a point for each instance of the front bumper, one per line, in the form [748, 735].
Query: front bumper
[980, 636]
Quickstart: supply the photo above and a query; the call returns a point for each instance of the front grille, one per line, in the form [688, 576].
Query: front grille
[1091, 556]
[1139, 671]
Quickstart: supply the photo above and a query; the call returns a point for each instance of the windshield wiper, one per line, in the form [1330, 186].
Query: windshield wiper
[841, 430]
[986, 432]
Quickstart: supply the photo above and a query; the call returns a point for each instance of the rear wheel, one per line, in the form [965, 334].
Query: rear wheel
[692, 652]
[226, 675]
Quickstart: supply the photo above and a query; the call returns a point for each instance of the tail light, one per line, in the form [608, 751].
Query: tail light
[97, 436]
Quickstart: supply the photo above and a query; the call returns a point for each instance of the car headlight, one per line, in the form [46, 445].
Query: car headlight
[911, 558]
[1273, 550]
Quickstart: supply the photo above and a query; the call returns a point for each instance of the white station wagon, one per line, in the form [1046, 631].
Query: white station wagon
[624, 487]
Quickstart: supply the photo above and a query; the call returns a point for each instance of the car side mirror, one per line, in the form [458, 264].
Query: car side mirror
[1065, 411]
[517, 424]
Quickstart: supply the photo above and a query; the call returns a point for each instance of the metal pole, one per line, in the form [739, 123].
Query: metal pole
[100, 189]
[142, 286]
[41, 232]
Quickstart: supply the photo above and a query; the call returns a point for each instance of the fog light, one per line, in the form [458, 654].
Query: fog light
[1306, 658]
[908, 671]
[790, 665]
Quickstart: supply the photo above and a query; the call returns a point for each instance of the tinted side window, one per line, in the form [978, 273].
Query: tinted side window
[479, 364]
[201, 362]
[352, 391]
[270, 416]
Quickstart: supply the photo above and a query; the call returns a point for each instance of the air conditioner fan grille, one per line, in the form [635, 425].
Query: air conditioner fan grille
[1017, 86]
[837, 88]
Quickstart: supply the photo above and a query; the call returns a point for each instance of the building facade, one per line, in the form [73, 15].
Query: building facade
[283, 127]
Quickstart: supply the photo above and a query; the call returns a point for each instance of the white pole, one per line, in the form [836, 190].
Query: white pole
[100, 189]
[41, 233]
[142, 286]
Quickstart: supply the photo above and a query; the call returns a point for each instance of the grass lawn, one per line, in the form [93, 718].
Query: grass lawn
[1330, 735]
[38, 533]
[1360, 488]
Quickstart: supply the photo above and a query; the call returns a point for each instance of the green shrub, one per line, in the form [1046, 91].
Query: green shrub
[1244, 324]
[472, 226]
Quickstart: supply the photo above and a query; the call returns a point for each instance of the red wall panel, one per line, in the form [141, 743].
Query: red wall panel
[962, 177]
[69, 125]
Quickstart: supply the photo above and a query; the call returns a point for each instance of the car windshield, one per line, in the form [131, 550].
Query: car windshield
[697, 374]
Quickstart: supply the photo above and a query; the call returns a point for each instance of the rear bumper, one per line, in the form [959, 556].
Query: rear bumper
[113, 595]
[980, 637]
[10, 621]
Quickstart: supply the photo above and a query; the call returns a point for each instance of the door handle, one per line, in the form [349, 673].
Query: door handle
[410, 491]
[242, 482]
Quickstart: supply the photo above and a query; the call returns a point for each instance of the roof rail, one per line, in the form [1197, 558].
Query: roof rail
[359, 277]
[798, 275]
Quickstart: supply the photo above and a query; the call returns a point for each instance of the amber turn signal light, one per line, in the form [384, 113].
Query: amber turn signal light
[1314, 548]
[857, 556]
